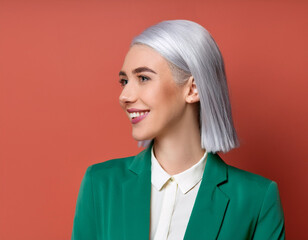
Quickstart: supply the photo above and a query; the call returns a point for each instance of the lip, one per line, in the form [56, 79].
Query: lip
[140, 118]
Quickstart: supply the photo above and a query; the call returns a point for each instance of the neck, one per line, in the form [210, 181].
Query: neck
[180, 148]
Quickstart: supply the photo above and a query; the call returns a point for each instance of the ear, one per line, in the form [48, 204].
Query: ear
[192, 95]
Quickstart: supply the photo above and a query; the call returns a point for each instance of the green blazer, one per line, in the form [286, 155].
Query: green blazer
[231, 204]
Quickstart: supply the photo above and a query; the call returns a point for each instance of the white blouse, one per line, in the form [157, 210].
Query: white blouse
[172, 199]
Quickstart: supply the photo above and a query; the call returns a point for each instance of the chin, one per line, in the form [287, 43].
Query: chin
[141, 136]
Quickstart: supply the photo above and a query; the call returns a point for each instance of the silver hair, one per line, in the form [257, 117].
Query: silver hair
[191, 51]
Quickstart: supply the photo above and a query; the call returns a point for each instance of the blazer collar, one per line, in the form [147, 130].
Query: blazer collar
[142, 161]
[209, 207]
[215, 170]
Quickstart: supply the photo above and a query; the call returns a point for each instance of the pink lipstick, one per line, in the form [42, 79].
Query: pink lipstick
[136, 115]
[138, 119]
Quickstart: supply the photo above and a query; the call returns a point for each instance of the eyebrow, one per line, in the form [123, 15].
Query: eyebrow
[137, 70]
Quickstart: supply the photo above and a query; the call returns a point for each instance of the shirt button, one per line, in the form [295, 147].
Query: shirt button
[171, 179]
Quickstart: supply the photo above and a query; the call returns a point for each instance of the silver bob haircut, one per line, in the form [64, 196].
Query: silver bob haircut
[190, 50]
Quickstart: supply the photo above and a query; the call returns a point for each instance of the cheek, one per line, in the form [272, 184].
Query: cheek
[166, 99]
[159, 96]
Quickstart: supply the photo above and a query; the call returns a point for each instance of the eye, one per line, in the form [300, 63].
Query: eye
[123, 82]
[143, 78]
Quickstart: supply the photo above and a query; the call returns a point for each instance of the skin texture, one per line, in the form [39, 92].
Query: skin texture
[173, 116]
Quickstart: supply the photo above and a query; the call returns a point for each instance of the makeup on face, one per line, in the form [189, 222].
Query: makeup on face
[152, 100]
[136, 115]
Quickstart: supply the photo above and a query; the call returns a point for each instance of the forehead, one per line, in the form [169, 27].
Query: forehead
[142, 55]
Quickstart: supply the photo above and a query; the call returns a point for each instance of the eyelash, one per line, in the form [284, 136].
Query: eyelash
[121, 81]
[141, 76]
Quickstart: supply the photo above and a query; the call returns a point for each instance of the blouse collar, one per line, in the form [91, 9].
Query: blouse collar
[186, 180]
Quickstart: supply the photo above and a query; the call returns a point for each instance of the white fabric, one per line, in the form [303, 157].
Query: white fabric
[172, 199]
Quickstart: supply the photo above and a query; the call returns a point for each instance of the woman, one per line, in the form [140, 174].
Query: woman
[176, 96]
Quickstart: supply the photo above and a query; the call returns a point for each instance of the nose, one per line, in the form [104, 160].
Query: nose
[128, 95]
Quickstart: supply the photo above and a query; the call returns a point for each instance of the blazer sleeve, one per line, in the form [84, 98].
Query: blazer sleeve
[270, 224]
[84, 226]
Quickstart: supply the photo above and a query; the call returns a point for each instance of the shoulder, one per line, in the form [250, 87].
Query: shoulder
[254, 203]
[234, 177]
[246, 178]
[116, 168]
[243, 184]
[116, 163]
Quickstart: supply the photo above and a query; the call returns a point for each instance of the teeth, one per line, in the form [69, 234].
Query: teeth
[137, 114]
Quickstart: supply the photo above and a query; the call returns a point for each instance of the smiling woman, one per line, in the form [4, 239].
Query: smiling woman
[175, 95]
[159, 96]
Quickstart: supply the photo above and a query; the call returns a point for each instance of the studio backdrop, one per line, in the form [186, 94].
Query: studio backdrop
[59, 99]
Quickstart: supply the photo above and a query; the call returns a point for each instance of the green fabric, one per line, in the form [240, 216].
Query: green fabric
[114, 203]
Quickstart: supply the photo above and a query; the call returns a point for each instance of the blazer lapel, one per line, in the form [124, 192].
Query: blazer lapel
[210, 204]
[137, 197]
[209, 207]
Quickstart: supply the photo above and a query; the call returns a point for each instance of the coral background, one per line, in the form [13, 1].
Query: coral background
[59, 110]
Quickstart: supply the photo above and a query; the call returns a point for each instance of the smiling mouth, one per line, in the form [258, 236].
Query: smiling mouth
[134, 115]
